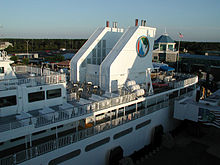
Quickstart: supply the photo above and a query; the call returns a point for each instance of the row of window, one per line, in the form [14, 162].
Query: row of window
[97, 144]
[32, 97]
[8, 101]
[163, 47]
[38, 96]
[98, 54]
[65, 157]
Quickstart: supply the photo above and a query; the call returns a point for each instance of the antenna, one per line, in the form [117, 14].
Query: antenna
[165, 33]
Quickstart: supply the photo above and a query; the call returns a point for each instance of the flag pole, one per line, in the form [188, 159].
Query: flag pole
[178, 56]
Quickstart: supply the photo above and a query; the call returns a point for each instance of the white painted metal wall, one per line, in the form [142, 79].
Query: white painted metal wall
[78, 72]
[22, 98]
[123, 62]
[130, 142]
[8, 72]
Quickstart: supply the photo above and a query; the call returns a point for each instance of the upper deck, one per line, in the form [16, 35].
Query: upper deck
[31, 77]
[84, 104]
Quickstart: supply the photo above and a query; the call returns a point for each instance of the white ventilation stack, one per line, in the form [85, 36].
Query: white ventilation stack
[140, 92]
[128, 54]
[135, 88]
[130, 83]
[115, 24]
[145, 23]
[142, 22]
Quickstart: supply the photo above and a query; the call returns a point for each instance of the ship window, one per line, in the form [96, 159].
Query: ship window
[182, 91]
[190, 88]
[53, 128]
[8, 101]
[99, 61]
[19, 138]
[99, 52]
[151, 102]
[173, 95]
[99, 44]
[122, 133]
[94, 52]
[54, 93]
[36, 96]
[130, 109]
[143, 124]
[104, 43]
[89, 61]
[40, 132]
[103, 53]
[97, 144]
[120, 112]
[60, 126]
[94, 61]
[2, 70]
[83, 64]
[65, 157]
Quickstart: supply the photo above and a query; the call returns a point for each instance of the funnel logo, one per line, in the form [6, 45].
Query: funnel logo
[142, 46]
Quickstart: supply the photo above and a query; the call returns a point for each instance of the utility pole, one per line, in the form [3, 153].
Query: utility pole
[27, 48]
[32, 45]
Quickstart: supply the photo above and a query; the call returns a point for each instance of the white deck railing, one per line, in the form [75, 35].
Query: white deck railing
[81, 110]
[51, 145]
[43, 120]
[184, 83]
[37, 76]
[34, 70]
[70, 138]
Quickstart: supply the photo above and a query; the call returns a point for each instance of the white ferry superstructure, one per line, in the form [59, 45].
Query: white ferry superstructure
[109, 103]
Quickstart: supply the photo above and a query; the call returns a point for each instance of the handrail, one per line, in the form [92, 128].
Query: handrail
[81, 110]
[41, 77]
[51, 145]
[66, 114]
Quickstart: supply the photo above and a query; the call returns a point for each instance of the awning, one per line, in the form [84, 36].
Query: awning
[166, 68]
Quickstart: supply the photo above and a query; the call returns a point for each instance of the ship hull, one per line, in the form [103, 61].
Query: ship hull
[130, 142]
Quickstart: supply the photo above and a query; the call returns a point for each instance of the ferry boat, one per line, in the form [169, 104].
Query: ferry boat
[109, 109]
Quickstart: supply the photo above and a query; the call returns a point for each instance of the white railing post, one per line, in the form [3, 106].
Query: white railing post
[14, 158]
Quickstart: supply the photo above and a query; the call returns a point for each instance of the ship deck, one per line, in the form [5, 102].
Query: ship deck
[83, 106]
[85, 99]
[31, 77]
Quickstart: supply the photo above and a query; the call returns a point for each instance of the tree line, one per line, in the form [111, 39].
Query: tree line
[198, 48]
[20, 45]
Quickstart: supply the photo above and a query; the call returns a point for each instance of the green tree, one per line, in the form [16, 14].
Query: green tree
[25, 61]
[14, 58]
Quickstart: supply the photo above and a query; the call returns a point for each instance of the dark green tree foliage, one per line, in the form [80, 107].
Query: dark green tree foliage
[20, 45]
[56, 58]
[198, 47]
[25, 61]
[14, 58]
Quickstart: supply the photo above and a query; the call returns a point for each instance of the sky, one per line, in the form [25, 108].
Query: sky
[197, 20]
